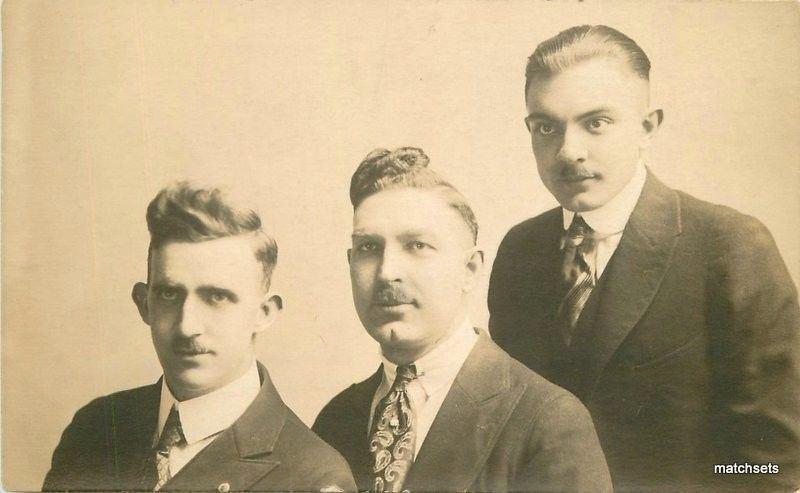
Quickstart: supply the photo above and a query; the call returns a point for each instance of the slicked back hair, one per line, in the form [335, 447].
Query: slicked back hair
[406, 167]
[580, 43]
[185, 212]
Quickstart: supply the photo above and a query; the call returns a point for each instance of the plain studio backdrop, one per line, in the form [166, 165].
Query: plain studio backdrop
[106, 102]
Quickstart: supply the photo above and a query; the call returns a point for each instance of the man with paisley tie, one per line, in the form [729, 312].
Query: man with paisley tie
[214, 421]
[447, 410]
[674, 320]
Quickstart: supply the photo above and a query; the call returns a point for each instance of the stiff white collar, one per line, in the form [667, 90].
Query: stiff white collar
[441, 364]
[211, 413]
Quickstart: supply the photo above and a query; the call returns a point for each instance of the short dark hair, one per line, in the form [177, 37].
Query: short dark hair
[184, 212]
[580, 43]
[406, 167]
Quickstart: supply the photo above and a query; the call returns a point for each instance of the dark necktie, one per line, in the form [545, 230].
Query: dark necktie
[577, 274]
[171, 435]
[392, 440]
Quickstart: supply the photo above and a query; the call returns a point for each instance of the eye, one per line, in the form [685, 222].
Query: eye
[367, 246]
[596, 124]
[168, 294]
[418, 246]
[217, 298]
[544, 128]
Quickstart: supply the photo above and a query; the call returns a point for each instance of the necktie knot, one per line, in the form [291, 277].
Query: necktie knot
[405, 374]
[172, 434]
[578, 231]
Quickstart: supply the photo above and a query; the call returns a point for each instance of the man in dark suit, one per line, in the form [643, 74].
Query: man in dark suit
[214, 422]
[448, 410]
[674, 320]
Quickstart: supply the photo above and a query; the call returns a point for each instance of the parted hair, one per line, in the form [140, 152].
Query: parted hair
[406, 167]
[579, 43]
[186, 212]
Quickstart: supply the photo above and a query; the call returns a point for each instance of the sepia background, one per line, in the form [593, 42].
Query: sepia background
[106, 102]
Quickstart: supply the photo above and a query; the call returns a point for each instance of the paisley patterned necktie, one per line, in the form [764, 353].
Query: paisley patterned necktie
[171, 436]
[577, 274]
[392, 439]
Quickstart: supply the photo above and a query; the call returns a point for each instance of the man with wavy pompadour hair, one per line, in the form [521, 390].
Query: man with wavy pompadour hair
[214, 421]
[419, 423]
[674, 320]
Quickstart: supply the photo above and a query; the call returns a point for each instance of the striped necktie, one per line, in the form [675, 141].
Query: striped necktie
[578, 274]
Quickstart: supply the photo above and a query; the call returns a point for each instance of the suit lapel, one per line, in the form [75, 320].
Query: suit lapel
[468, 423]
[240, 455]
[634, 272]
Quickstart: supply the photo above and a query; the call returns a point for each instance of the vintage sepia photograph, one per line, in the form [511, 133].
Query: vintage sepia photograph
[421, 246]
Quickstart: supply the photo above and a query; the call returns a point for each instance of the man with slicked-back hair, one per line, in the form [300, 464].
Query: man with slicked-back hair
[447, 410]
[674, 320]
[214, 421]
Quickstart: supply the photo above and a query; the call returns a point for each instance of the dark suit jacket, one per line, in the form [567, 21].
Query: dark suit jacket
[500, 428]
[109, 442]
[686, 353]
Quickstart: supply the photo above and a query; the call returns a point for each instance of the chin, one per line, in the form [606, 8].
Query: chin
[396, 335]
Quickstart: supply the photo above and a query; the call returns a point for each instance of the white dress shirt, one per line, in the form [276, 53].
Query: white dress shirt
[204, 417]
[609, 220]
[436, 372]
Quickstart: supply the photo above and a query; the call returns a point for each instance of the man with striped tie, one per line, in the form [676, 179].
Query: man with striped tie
[214, 421]
[447, 410]
[674, 320]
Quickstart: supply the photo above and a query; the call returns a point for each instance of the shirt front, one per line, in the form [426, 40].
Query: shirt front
[609, 220]
[436, 372]
[204, 417]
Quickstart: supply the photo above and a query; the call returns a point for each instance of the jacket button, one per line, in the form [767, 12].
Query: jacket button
[224, 487]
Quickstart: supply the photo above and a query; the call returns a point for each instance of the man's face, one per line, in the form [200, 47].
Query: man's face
[588, 126]
[203, 303]
[411, 263]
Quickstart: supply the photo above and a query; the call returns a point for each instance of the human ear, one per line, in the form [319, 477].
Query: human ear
[651, 123]
[139, 295]
[268, 312]
[474, 266]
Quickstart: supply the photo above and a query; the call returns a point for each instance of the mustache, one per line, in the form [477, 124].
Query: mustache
[390, 294]
[570, 171]
[190, 346]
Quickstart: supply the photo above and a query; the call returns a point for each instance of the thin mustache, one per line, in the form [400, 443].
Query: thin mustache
[391, 295]
[189, 346]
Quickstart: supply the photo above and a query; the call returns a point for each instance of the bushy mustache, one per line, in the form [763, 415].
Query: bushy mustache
[391, 294]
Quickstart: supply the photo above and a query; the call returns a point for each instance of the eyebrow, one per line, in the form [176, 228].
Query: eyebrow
[544, 116]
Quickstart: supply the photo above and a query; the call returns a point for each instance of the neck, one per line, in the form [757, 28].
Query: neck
[408, 355]
[183, 392]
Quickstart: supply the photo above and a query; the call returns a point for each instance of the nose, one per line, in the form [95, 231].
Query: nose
[391, 265]
[573, 148]
[190, 322]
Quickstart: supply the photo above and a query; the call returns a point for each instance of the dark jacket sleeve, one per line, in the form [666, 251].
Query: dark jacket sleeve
[756, 322]
[564, 451]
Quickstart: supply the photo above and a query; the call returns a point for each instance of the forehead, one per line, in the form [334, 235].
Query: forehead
[222, 262]
[401, 211]
[600, 82]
